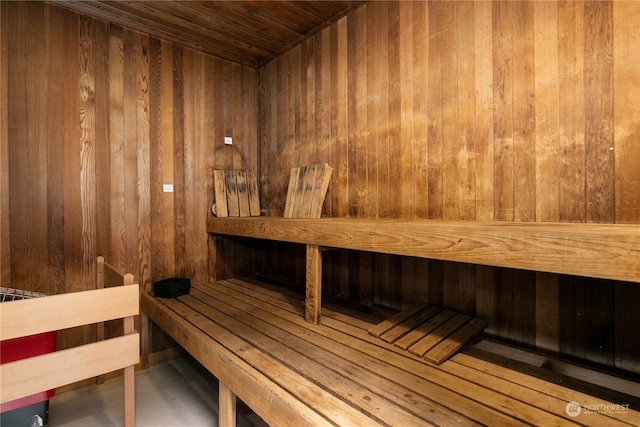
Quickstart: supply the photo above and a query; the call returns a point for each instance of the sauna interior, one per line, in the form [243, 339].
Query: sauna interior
[475, 111]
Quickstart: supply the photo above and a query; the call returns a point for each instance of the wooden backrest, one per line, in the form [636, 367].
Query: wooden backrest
[52, 313]
[55, 312]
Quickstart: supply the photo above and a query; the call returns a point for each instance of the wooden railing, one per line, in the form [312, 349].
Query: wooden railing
[52, 313]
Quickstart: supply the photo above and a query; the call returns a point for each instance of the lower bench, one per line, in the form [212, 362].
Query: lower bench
[255, 340]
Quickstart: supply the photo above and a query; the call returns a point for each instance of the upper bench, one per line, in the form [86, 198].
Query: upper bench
[607, 251]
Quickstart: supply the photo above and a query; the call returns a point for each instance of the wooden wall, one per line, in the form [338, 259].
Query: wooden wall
[511, 111]
[508, 111]
[95, 119]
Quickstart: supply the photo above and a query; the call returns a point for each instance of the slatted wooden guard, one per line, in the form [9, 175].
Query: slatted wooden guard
[429, 331]
[236, 193]
[307, 188]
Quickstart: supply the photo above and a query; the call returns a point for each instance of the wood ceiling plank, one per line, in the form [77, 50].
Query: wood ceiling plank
[250, 33]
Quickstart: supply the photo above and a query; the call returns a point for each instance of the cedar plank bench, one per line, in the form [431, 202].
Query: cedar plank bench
[606, 251]
[330, 371]
[254, 339]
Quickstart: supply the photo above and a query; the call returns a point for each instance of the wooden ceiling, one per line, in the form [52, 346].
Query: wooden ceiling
[247, 32]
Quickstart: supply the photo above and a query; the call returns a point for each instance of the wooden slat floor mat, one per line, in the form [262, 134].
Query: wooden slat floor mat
[428, 331]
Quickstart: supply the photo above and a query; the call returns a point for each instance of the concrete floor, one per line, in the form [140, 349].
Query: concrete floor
[175, 393]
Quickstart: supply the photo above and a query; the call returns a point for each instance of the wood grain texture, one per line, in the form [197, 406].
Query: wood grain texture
[593, 41]
[5, 258]
[483, 66]
[226, 30]
[314, 284]
[227, 405]
[27, 317]
[524, 154]
[370, 381]
[89, 307]
[599, 112]
[546, 111]
[571, 138]
[514, 108]
[626, 110]
[602, 251]
[94, 119]
[17, 158]
[28, 376]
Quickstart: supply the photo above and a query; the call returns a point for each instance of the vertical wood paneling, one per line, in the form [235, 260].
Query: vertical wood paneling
[371, 208]
[192, 88]
[357, 123]
[477, 111]
[37, 153]
[130, 150]
[73, 221]
[486, 303]
[19, 186]
[524, 156]
[249, 125]
[338, 190]
[405, 45]
[202, 186]
[434, 112]
[626, 110]
[448, 103]
[100, 36]
[236, 125]
[307, 83]
[143, 235]
[627, 317]
[571, 138]
[395, 105]
[547, 312]
[546, 111]
[116, 255]
[323, 101]
[600, 188]
[572, 333]
[524, 307]
[5, 224]
[420, 33]
[483, 125]
[466, 111]
[72, 166]
[600, 321]
[599, 112]
[156, 152]
[444, 110]
[381, 124]
[503, 57]
[87, 115]
[94, 121]
[192, 107]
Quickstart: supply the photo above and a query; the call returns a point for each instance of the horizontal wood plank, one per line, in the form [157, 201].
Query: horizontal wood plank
[264, 336]
[52, 313]
[608, 251]
[269, 401]
[48, 371]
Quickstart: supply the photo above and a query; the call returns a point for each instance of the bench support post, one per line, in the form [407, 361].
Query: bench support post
[227, 407]
[313, 284]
